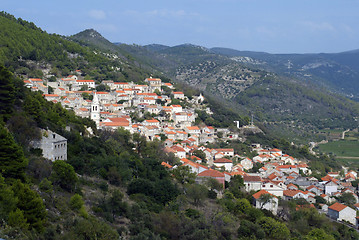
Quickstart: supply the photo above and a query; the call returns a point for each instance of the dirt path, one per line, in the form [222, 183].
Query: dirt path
[343, 133]
[347, 157]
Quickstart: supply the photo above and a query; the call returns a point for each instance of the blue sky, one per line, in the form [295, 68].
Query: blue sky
[275, 26]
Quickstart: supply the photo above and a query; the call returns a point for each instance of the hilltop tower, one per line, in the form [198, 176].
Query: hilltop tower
[95, 110]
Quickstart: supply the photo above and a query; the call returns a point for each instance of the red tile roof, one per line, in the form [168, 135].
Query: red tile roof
[152, 121]
[118, 119]
[257, 195]
[166, 165]
[337, 207]
[115, 124]
[193, 128]
[252, 179]
[85, 81]
[222, 160]
[290, 193]
[224, 149]
[211, 173]
[292, 185]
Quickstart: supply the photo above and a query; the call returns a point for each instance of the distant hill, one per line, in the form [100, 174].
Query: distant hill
[156, 47]
[338, 71]
[91, 37]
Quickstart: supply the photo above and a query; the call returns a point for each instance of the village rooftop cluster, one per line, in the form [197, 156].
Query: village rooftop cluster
[281, 176]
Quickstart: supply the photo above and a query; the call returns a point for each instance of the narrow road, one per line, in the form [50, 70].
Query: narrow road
[343, 133]
[314, 144]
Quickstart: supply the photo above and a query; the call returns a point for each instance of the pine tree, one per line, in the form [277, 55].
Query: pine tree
[8, 201]
[31, 205]
[7, 92]
[12, 159]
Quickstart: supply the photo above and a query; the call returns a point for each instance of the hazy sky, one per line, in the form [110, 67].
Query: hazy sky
[276, 26]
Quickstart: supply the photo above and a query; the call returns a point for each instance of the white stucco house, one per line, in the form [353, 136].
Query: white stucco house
[341, 212]
[274, 188]
[223, 162]
[252, 183]
[330, 188]
[271, 205]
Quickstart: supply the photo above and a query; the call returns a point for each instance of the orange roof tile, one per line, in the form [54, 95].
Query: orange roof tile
[211, 173]
[224, 149]
[292, 185]
[166, 165]
[118, 119]
[222, 160]
[152, 121]
[337, 207]
[290, 193]
[50, 95]
[115, 124]
[252, 179]
[85, 81]
[258, 194]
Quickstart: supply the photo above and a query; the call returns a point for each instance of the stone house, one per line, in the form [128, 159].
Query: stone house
[330, 187]
[53, 145]
[271, 205]
[252, 183]
[223, 162]
[341, 212]
[210, 173]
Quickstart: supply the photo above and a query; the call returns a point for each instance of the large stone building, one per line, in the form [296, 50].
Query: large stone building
[53, 145]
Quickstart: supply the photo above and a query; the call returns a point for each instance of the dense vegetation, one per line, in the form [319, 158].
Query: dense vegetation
[280, 100]
[26, 50]
[113, 183]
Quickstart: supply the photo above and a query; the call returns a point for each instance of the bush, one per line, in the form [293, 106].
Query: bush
[212, 194]
[76, 202]
[63, 175]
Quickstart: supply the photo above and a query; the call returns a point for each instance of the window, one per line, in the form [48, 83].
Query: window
[271, 185]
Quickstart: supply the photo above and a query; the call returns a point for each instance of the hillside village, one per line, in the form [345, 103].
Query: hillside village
[157, 110]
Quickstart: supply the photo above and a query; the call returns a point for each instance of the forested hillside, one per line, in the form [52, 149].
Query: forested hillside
[27, 50]
[113, 185]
